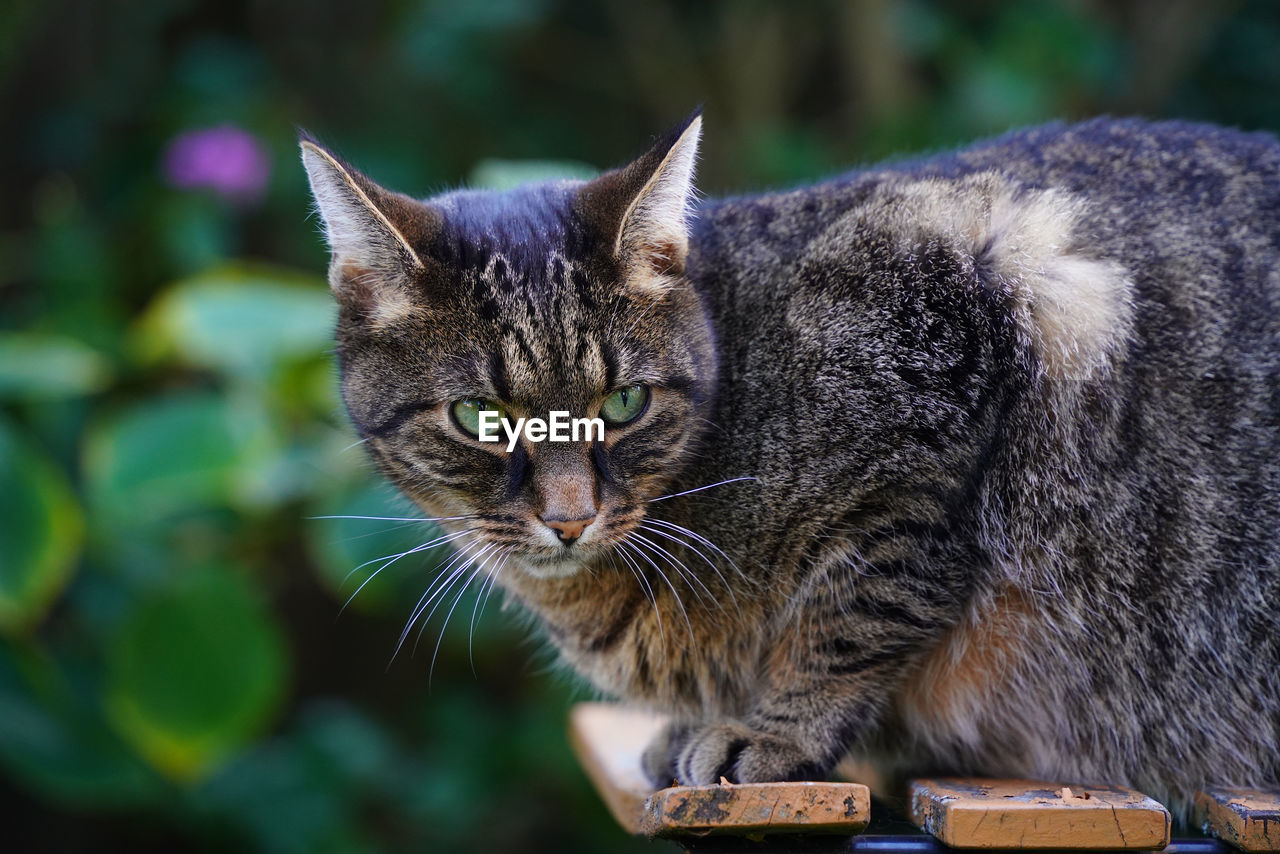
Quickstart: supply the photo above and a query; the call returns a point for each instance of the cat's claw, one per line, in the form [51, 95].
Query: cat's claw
[742, 755]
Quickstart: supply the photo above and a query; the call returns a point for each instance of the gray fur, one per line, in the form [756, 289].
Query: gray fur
[1012, 419]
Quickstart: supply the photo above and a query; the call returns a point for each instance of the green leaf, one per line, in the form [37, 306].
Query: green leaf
[239, 321]
[41, 531]
[54, 740]
[286, 798]
[41, 366]
[195, 673]
[162, 458]
[173, 455]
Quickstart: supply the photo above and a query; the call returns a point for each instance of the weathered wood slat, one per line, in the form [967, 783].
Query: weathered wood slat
[981, 813]
[1249, 819]
[751, 809]
[609, 740]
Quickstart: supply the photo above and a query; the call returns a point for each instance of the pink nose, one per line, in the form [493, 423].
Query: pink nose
[568, 530]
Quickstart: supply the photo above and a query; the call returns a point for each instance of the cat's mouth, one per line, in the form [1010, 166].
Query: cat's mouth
[553, 565]
[547, 556]
[562, 561]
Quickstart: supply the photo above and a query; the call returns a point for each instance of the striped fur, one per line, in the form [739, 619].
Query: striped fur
[996, 436]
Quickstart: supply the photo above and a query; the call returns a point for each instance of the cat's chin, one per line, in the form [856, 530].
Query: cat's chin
[552, 567]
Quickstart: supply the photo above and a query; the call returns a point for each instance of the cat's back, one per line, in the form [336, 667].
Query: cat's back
[1192, 211]
[1144, 182]
[1187, 215]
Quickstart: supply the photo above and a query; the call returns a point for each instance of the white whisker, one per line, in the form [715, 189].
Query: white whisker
[400, 518]
[379, 532]
[427, 546]
[443, 578]
[442, 593]
[701, 488]
[675, 563]
[462, 589]
[683, 543]
[646, 587]
[493, 583]
[482, 596]
[422, 547]
[683, 530]
[674, 592]
[680, 529]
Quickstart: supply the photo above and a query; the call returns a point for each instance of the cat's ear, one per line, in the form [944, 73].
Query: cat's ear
[643, 210]
[372, 233]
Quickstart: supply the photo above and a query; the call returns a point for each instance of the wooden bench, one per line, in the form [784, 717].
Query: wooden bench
[1249, 819]
[1030, 814]
[965, 813]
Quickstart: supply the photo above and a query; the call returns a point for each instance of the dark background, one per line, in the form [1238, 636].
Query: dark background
[176, 669]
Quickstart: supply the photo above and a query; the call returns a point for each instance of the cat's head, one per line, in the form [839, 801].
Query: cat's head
[566, 296]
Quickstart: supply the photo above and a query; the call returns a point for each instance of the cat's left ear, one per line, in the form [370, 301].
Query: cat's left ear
[376, 236]
[644, 209]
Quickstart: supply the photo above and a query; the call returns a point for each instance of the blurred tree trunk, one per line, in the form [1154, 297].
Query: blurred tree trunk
[876, 75]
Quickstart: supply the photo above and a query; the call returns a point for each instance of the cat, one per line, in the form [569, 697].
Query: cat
[965, 464]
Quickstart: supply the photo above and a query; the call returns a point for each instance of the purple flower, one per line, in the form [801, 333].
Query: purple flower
[225, 159]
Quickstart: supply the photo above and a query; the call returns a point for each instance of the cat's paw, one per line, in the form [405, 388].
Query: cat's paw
[742, 755]
[659, 759]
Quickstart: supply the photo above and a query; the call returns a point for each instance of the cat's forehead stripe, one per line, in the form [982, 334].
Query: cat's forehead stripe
[498, 376]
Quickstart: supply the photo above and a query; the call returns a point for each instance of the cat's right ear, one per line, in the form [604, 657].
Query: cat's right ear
[643, 210]
[373, 234]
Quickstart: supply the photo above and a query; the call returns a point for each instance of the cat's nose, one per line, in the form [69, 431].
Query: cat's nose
[568, 530]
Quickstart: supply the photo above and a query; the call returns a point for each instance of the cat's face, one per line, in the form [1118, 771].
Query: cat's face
[563, 298]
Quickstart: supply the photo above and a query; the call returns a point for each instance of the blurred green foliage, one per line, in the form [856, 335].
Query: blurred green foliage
[179, 663]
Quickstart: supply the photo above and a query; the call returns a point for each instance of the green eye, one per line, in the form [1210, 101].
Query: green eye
[467, 414]
[624, 405]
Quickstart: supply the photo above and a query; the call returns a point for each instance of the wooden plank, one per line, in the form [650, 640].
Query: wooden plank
[1249, 819]
[980, 813]
[751, 809]
[609, 739]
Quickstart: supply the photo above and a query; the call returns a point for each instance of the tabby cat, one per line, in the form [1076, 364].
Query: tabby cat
[966, 464]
